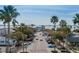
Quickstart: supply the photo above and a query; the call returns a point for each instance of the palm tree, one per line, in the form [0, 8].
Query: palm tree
[14, 22]
[76, 19]
[9, 14]
[22, 28]
[63, 23]
[19, 36]
[32, 25]
[54, 20]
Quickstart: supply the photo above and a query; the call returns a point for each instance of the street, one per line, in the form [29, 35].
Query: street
[39, 44]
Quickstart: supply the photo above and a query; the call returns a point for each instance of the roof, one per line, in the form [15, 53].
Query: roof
[74, 37]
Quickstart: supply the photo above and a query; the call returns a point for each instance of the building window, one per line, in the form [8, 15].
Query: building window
[2, 41]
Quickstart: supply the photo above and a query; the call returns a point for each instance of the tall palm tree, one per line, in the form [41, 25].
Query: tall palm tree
[76, 19]
[9, 14]
[32, 25]
[14, 22]
[20, 34]
[54, 20]
[63, 23]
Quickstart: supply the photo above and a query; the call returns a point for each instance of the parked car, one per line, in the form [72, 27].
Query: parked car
[36, 39]
[51, 46]
[24, 52]
[41, 40]
[50, 42]
[60, 47]
[54, 51]
[65, 51]
[43, 35]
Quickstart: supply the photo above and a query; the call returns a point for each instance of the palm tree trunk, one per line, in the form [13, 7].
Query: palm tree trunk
[8, 28]
[74, 26]
[78, 25]
[8, 35]
[54, 26]
[5, 29]
[23, 44]
[5, 34]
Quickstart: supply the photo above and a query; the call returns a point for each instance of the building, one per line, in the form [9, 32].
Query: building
[40, 28]
[74, 39]
[3, 31]
[4, 42]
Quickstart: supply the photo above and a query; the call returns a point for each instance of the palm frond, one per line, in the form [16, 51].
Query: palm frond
[14, 22]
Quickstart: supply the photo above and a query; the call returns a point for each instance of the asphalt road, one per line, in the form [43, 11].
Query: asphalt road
[39, 46]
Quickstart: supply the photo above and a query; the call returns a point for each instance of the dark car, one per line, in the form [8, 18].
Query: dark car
[24, 52]
[43, 35]
[50, 42]
[54, 51]
[51, 46]
[65, 51]
[61, 48]
[41, 40]
[36, 39]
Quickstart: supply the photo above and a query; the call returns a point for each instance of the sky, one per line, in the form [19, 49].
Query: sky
[41, 14]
